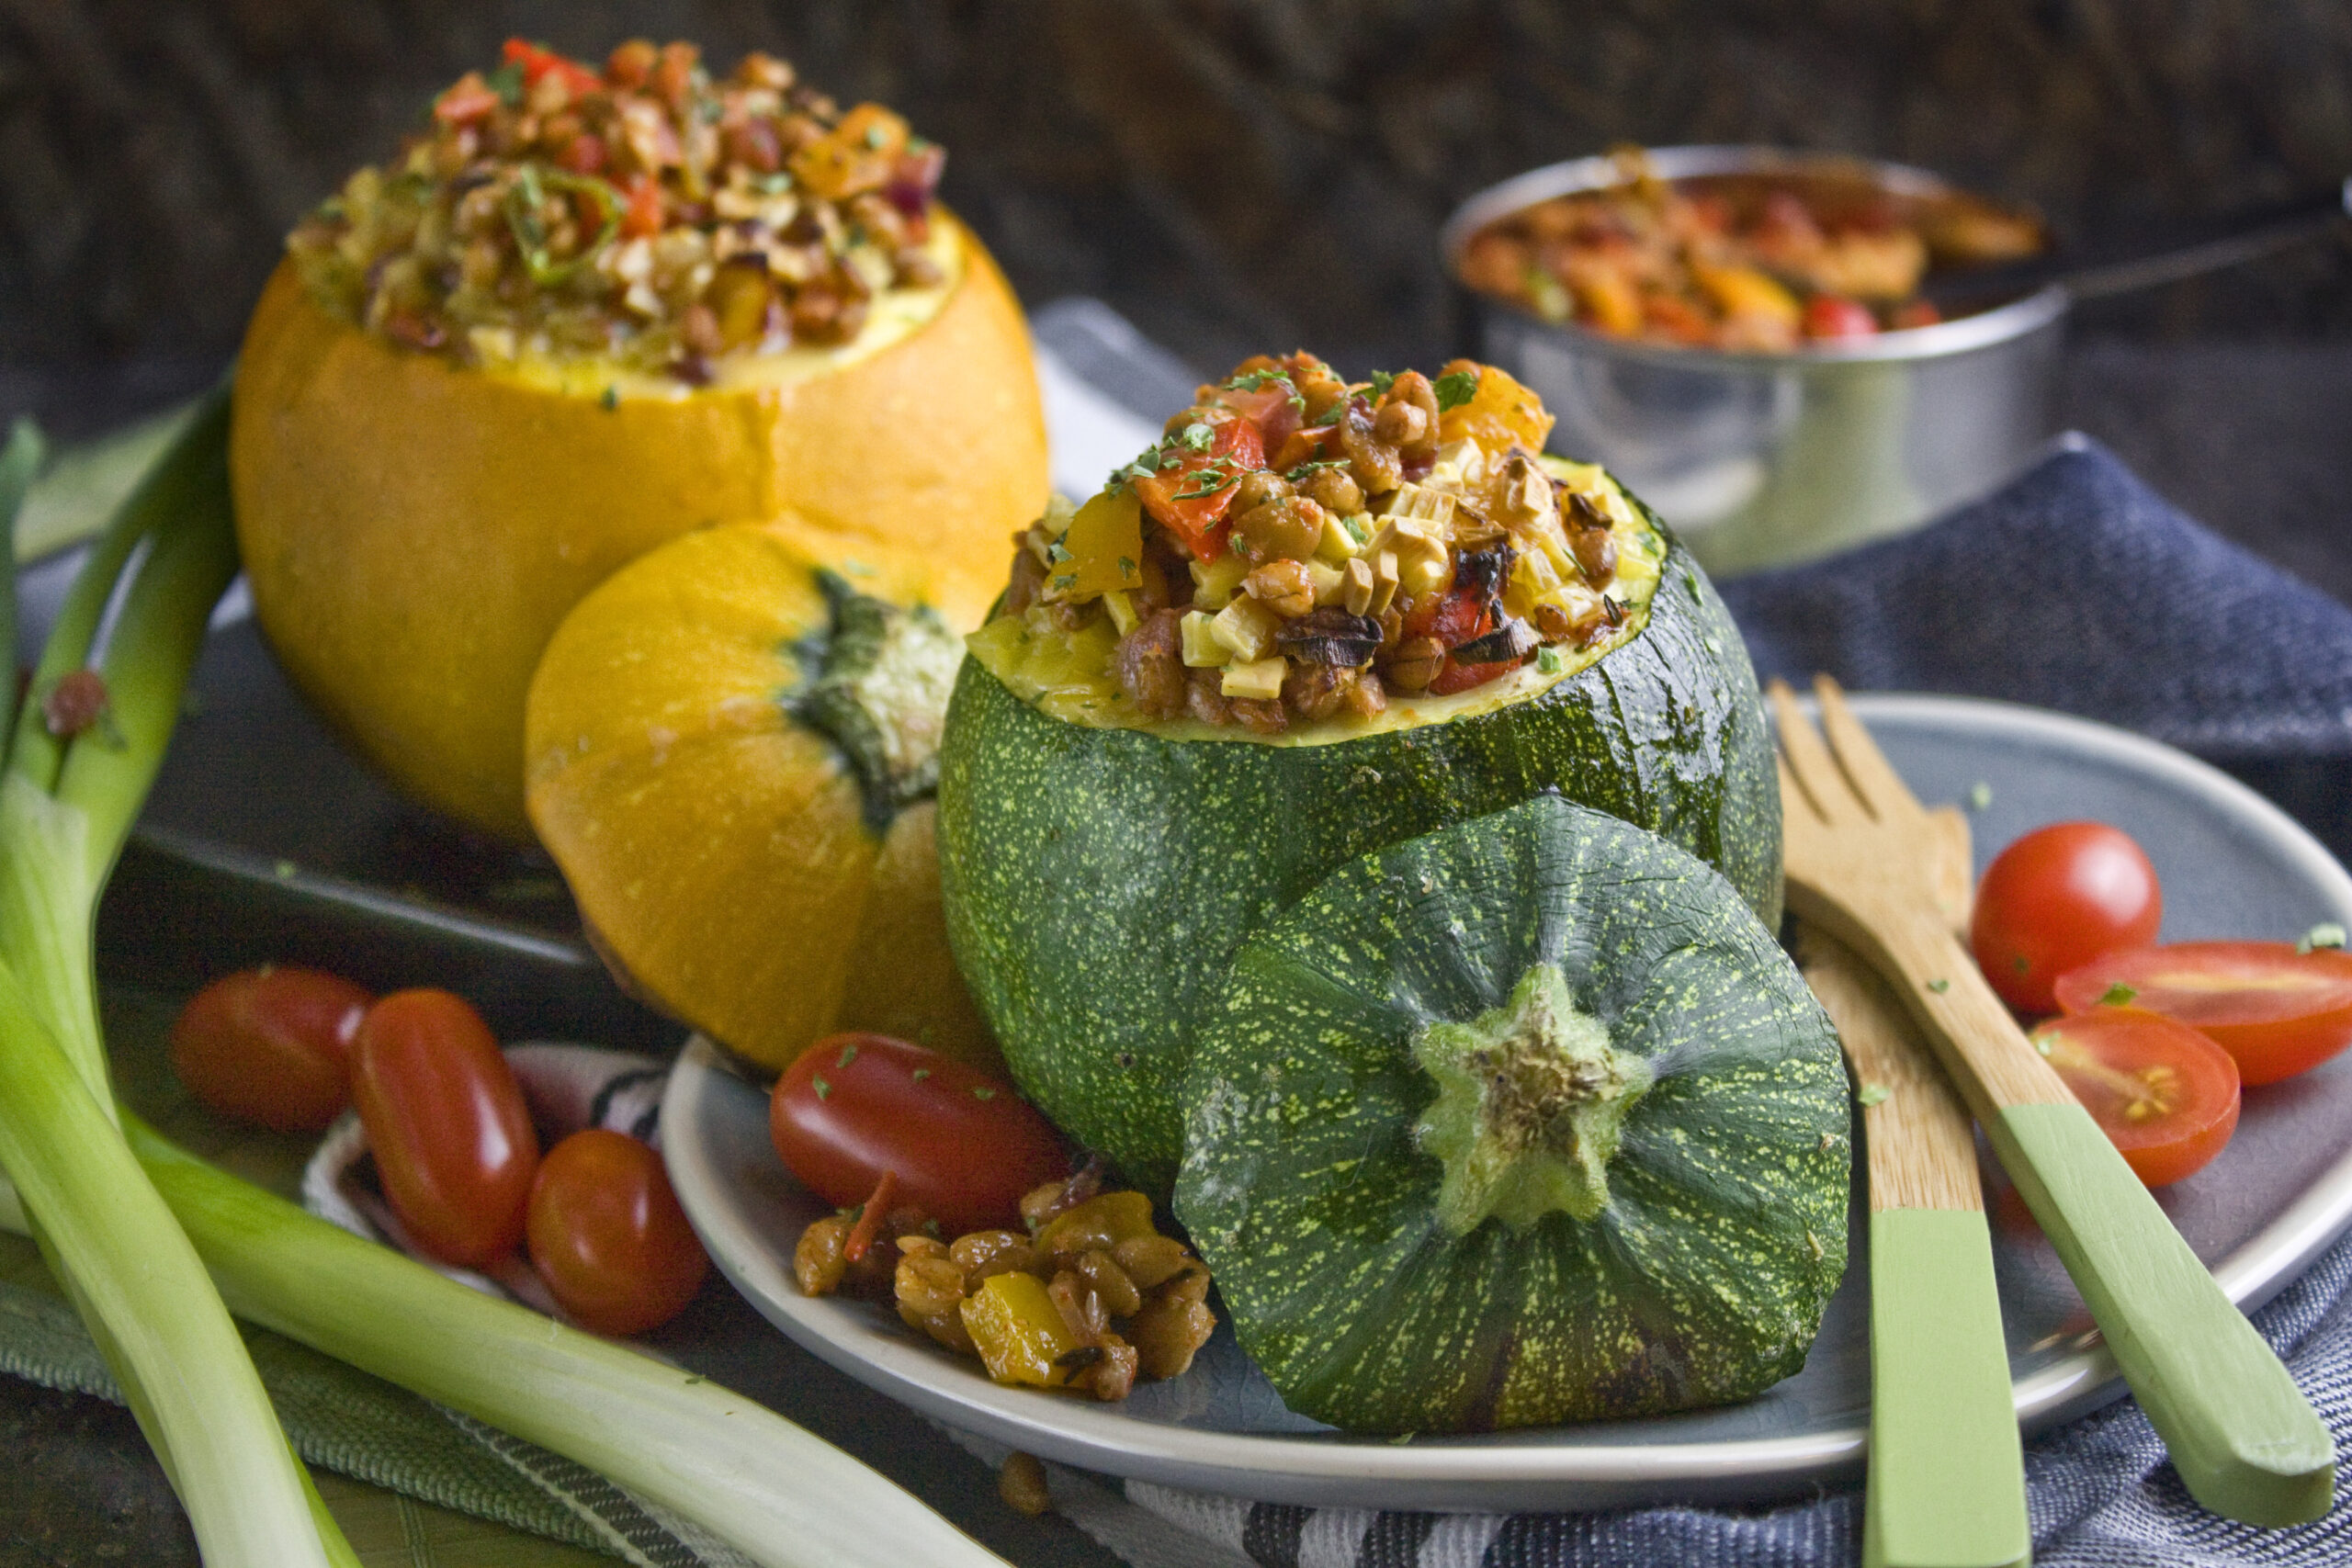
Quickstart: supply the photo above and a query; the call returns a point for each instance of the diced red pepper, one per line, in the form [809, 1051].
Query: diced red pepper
[470, 98]
[1453, 618]
[1190, 498]
[1451, 677]
[642, 216]
[538, 62]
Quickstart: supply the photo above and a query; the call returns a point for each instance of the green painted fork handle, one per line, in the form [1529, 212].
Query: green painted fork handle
[1947, 1479]
[2245, 1441]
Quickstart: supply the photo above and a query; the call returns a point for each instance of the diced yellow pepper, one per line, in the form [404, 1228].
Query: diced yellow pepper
[1202, 651]
[1459, 466]
[1215, 582]
[1744, 291]
[1328, 582]
[1098, 1225]
[1608, 302]
[1018, 1330]
[1499, 415]
[1247, 627]
[1123, 610]
[1419, 503]
[1419, 550]
[1102, 550]
[1338, 543]
[1260, 679]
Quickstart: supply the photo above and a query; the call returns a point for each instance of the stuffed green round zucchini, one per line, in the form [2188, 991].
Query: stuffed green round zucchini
[1317, 618]
[1526, 1120]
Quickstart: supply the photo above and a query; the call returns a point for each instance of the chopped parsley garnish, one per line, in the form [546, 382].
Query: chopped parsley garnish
[1126, 566]
[824, 1090]
[1551, 661]
[1980, 796]
[1456, 389]
[1056, 553]
[1251, 380]
[1872, 1094]
[1210, 480]
[2116, 996]
[1198, 436]
[507, 83]
[849, 1054]
[922, 1073]
[611, 399]
[1940, 987]
[1380, 381]
[982, 1091]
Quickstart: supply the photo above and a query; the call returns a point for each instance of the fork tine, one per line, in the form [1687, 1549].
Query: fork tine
[1808, 760]
[1798, 812]
[1881, 792]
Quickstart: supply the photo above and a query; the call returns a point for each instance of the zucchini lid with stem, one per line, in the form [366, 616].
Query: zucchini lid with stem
[1529, 1120]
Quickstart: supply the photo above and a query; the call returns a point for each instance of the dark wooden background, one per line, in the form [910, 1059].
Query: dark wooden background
[1233, 174]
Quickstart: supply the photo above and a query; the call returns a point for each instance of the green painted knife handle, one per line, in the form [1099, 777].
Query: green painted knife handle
[2245, 1440]
[1946, 1482]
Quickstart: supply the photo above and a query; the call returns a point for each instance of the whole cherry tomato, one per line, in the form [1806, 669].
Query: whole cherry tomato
[1833, 316]
[2275, 1011]
[446, 1123]
[271, 1046]
[607, 1236]
[2054, 900]
[963, 1146]
[2164, 1094]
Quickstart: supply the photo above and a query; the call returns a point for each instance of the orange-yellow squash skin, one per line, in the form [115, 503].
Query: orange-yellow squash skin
[415, 530]
[716, 844]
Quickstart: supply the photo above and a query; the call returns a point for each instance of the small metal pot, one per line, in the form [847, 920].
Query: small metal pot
[1759, 459]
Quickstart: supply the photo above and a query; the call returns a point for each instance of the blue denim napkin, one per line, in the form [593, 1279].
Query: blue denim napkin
[2073, 587]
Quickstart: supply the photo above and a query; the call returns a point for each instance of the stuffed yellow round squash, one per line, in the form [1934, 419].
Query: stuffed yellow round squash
[587, 312]
[733, 751]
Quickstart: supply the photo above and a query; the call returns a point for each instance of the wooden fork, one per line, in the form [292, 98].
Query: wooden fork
[2245, 1442]
[1947, 1476]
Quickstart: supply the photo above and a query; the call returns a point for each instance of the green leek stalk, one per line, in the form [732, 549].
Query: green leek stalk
[65, 805]
[777, 1493]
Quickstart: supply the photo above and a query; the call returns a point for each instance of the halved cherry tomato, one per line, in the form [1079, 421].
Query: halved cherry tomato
[1192, 495]
[2275, 1011]
[271, 1046]
[607, 1236]
[963, 1146]
[2168, 1096]
[2054, 900]
[446, 1123]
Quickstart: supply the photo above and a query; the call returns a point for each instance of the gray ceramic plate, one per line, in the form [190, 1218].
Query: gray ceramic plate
[2233, 867]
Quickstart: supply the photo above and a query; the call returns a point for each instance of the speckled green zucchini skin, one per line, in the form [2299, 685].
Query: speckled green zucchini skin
[1097, 881]
[1702, 1278]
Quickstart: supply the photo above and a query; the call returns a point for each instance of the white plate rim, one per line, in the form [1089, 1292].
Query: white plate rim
[1317, 1470]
